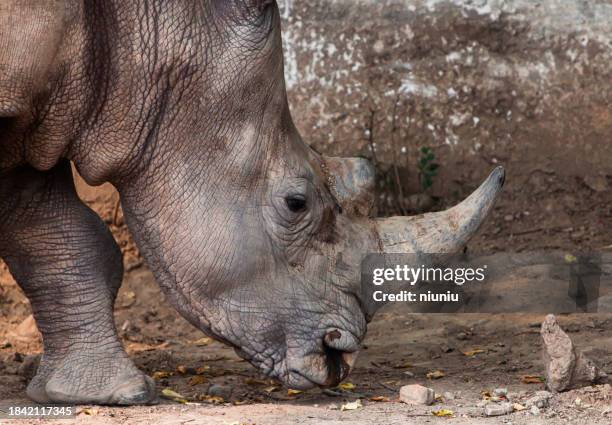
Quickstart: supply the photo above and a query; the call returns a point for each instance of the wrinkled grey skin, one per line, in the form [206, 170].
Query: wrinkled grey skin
[255, 238]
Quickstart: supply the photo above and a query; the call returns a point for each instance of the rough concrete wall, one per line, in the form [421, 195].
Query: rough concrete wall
[526, 83]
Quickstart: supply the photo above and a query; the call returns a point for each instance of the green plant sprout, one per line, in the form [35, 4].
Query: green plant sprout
[428, 168]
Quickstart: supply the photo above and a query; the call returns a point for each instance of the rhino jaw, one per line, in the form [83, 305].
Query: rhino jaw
[444, 232]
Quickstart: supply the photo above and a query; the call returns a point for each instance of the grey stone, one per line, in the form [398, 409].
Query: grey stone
[222, 391]
[565, 366]
[500, 392]
[540, 399]
[535, 411]
[498, 409]
[417, 394]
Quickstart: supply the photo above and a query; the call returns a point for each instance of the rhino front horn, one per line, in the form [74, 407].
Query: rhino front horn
[444, 232]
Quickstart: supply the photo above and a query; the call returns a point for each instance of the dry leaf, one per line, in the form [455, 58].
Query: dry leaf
[518, 407]
[252, 381]
[161, 374]
[240, 402]
[137, 347]
[214, 399]
[486, 395]
[569, 258]
[202, 369]
[436, 374]
[473, 352]
[173, 395]
[353, 405]
[89, 411]
[271, 389]
[203, 341]
[381, 398]
[532, 379]
[291, 392]
[443, 413]
[402, 365]
[197, 380]
[182, 369]
[347, 386]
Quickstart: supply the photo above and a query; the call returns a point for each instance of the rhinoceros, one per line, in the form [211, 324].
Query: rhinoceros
[253, 236]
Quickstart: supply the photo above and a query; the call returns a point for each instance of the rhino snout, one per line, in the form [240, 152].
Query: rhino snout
[327, 368]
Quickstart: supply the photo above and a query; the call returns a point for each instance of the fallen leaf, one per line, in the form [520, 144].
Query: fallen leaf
[443, 413]
[173, 395]
[137, 347]
[89, 411]
[203, 342]
[182, 369]
[380, 398]
[202, 369]
[292, 392]
[518, 407]
[353, 405]
[271, 389]
[436, 374]
[252, 381]
[240, 402]
[347, 386]
[473, 352]
[197, 380]
[569, 258]
[214, 399]
[486, 395]
[161, 374]
[402, 365]
[532, 379]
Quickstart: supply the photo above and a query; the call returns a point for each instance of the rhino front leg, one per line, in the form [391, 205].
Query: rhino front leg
[66, 261]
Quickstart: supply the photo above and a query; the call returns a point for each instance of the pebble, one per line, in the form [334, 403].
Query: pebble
[535, 410]
[541, 399]
[417, 394]
[498, 409]
[448, 395]
[216, 390]
[500, 392]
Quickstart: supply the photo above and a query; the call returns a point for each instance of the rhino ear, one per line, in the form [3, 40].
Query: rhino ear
[30, 37]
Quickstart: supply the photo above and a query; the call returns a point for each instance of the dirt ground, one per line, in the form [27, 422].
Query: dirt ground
[401, 348]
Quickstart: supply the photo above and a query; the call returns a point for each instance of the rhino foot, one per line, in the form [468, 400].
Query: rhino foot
[91, 378]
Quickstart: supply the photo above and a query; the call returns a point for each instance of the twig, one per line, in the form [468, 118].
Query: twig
[398, 182]
[390, 388]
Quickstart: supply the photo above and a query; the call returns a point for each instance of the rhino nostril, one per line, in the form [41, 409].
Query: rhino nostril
[341, 352]
[337, 367]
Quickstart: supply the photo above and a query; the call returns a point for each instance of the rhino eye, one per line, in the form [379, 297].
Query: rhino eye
[296, 203]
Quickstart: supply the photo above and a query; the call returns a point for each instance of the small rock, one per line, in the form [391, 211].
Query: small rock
[535, 410]
[462, 336]
[417, 394]
[540, 399]
[222, 391]
[596, 183]
[446, 348]
[500, 392]
[409, 374]
[448, 395]
[566, 367]
[508, 217]
[498, 409]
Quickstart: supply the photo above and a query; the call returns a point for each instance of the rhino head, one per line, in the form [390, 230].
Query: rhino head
[255, 238]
